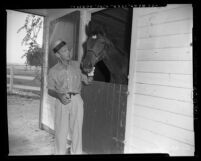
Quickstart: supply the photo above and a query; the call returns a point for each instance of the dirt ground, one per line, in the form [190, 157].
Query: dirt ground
[25, 137]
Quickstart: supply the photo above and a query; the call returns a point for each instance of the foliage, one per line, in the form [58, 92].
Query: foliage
[34, 56]
[34, 53]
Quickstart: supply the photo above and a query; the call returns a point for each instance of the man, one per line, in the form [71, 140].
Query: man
[64, 83]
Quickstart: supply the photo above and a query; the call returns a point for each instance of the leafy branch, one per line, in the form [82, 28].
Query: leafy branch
[32, 27]
[34, 53]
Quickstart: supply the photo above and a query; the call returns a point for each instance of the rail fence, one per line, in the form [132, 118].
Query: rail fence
[22, 77]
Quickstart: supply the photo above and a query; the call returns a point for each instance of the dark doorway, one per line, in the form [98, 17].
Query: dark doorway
[118, 24]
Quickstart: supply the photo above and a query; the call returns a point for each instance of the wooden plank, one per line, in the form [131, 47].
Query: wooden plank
[131, 82]
[165, 54]
[48, 129]
[26, 87]
[170, 67]
[101, 131]
[172, 41]
[18, 66]
[85, 16]
[162, 144]
[108, 112]
[144, 145]
[24, 72]
[21, 77]
[119, 117]
[119, 93]
[122, 113]
[172, 28]
[26, 82]
[168, 118]
[115, 109]
[150, 10]
[39, 12]
[115, 117]
[88, 124]
[174, 80]
[95, 104]
[171, 132]
[97, 114]
[44, 68]
[158, 17]
[173, 106]
[154, 9]
[179, 94]
[49, 112]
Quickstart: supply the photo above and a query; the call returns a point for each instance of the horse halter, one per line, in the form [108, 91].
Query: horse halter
[97, 55]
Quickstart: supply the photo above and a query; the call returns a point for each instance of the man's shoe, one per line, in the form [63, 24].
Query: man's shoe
[68, 151]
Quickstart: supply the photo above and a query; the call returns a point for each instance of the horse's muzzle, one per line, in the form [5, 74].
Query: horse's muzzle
[86, 67]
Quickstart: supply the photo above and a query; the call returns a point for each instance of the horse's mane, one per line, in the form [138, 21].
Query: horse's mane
[112, 44]
[121, 51]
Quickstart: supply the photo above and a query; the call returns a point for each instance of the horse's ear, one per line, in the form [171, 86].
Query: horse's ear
[89, 28]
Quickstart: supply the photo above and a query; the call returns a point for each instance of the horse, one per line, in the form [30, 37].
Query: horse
[100, 47]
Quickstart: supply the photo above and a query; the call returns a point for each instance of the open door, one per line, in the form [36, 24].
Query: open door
[67, 29]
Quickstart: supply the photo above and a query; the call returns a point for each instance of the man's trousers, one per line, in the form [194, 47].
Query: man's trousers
[69, 119]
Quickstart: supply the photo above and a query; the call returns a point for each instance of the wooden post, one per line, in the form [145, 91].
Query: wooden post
[85, 17]
[131, 84]
[11, 78]
[44, 69]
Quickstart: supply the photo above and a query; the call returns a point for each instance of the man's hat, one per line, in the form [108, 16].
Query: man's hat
[58, 45]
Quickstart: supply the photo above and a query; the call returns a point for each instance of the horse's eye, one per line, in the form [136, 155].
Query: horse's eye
[94, 37]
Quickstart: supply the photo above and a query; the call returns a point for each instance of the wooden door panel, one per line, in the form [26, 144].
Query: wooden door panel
[104, 119]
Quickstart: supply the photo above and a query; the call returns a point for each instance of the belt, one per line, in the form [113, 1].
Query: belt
[72, 94]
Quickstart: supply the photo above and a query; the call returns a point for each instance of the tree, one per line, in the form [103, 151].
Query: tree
[34, 53]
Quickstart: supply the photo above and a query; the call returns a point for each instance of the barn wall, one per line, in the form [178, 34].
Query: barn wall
[160, 104]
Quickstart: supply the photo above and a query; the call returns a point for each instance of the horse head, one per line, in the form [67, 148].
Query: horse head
[100, 46]
[96, 49]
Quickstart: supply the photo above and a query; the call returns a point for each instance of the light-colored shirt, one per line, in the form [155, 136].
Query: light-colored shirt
[65, 79]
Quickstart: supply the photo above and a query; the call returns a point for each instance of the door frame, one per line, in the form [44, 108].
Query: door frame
[131, 81]
[86, 17]
[44, 93]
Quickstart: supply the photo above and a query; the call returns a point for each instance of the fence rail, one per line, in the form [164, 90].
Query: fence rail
[20, 78]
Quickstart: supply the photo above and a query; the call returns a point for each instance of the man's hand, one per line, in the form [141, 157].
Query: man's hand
[64, 98]
[90, 79]
[90, 76]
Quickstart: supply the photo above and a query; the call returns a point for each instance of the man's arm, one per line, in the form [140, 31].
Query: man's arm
[64, 98]
[87, 79]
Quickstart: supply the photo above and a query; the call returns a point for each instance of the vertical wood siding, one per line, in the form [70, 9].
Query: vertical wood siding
[163, 103]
